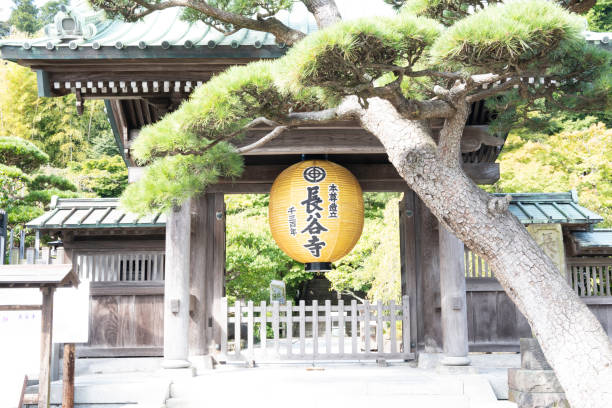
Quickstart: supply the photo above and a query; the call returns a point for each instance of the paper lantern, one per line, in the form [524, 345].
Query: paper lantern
[316, 212]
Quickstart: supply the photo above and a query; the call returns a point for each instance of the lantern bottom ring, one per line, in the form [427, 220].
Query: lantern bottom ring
[318, 266]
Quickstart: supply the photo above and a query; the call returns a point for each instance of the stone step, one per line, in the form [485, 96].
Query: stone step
[113, 391]
[308, 400]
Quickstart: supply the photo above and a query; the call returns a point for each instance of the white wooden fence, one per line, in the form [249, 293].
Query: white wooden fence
[317, 332]
[590, 276]
[133, 266]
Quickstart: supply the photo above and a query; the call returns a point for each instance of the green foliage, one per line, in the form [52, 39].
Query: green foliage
[520, 33]
[172, 180]
[25, 16]
[373, 266]
[600, 16]
[246, 8]
[253, 258]
[51, 123]
[447, 12]
[50, 9]
[330, 58]
[13, 183]
[572, 159]
[15, 151]
[49, 181]
[221, 107]
[106, 176]
[21, 214]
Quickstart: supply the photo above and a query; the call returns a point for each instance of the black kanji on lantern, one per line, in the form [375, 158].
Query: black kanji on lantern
[314, 227]
[314, 245]
[333, 198]
[313, 200]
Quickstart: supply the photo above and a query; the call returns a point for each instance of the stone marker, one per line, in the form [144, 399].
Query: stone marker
[535, 385]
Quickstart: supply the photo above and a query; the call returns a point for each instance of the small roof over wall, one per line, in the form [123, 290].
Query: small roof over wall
[88, 213]
[595, 242]
[558, 208]
[37, 276]
[97, 213]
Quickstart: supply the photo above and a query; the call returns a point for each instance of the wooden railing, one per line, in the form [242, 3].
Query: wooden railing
[590, 276]
[332, 332]
[134, 266]
[476, 267]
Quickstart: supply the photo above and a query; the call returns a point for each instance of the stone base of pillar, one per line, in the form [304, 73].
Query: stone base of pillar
[202, 363]
[175, 364]
[455, 361]
[437, 361]
[534, 384]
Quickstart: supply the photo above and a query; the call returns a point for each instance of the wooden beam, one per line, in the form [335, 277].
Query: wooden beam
[46, 340]
[348, 139]
[370, 176]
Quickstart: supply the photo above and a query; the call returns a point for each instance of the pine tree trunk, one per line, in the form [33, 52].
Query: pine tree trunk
[572, 339]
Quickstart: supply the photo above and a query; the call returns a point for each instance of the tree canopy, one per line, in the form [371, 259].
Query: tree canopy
[409, 60]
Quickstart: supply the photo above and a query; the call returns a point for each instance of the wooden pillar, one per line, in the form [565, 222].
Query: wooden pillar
[68, 376]
[409, 261]
[176, 292]
[207, 274]
[453, 301]
[429, 272]
[200, 240]
[46, 339]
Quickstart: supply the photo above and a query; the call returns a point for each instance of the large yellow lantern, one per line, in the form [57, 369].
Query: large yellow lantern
[316, 212]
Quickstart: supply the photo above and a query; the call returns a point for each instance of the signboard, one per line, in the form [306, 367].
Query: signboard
[71, 314]
[278, 292]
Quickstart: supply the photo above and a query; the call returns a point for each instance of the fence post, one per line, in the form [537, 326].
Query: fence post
[237, 322]
[21, 245]
[10, 247]
[36, 246]
[263, 325]
[223, 322]
[3, 232]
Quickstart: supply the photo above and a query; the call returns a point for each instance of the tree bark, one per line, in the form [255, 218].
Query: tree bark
[325, 12]
[572, 339]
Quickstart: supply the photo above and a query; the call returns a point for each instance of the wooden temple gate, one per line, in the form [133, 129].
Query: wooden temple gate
[142, 74]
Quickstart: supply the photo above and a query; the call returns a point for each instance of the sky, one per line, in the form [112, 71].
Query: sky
[6, 7]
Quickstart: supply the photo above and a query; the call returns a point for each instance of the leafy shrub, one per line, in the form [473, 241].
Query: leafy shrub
[44, 181]
[21, 153]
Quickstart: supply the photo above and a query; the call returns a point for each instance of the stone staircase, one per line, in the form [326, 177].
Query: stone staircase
[326, 386]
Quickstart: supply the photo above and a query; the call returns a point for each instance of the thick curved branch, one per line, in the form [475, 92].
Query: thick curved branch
[266, 139]
[449, 144]
[270, 25]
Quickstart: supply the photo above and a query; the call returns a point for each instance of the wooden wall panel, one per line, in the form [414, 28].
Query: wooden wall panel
[122, 325]
[495, 324]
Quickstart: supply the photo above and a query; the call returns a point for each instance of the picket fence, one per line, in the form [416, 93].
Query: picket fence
[322, 332]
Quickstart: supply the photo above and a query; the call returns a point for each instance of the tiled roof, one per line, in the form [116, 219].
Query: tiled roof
[558, 208]
[598, 238]
[73, 213]
[163, 34]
